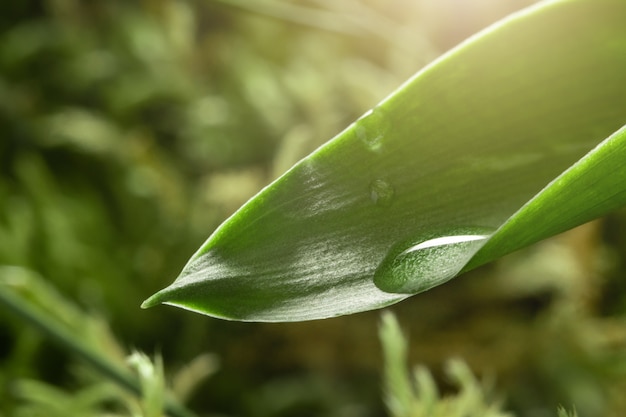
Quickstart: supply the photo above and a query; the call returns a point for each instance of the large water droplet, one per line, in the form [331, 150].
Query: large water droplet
[417, 267]
[371, 129]
[381, 192]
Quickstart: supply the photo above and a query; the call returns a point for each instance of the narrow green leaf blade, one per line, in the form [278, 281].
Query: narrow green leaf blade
[592, 187]
[460, 147]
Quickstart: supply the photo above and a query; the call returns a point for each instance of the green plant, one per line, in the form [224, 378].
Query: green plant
[514, 136]
[130, 128]
[415, 394]
[564, 413]
[114, 385]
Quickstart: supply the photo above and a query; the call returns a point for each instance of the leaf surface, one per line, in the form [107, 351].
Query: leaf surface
[459, 149]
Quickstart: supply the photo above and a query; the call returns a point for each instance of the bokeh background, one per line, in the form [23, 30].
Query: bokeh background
[130, 129]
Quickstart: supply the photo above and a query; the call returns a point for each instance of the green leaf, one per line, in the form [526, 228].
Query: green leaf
[592, 187]
[403, 198]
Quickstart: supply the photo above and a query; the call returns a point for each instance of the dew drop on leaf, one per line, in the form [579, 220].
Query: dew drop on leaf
[417, 267]
[381, 192]
[371, 129]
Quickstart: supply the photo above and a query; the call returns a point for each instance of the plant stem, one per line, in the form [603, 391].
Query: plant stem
[64, 337]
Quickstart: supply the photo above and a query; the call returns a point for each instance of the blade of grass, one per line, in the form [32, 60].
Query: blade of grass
[592, 187]
[70, 340]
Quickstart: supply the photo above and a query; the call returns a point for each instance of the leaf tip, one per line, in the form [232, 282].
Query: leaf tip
[153, 300]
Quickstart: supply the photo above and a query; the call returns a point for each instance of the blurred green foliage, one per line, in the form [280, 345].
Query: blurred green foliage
[416, 394]
[131, 129]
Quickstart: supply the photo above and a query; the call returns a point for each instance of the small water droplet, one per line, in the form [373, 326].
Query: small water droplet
[381, 192]
[371, 128]
[417, 267]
